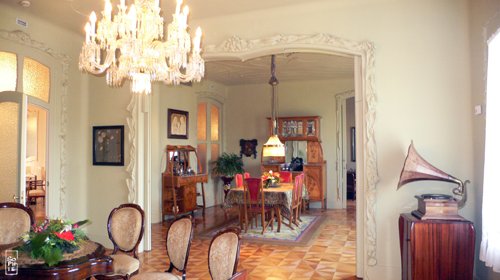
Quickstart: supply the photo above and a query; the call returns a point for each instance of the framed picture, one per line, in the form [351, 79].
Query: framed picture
[107, 145]
[353, 144]
[178, 124]
[248, 148]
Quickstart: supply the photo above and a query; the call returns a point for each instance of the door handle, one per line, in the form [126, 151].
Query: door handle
[15, 198]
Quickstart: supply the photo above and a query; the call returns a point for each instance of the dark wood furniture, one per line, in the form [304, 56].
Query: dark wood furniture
[82, 266]
[179, 181]
[351, 185]
[436, 249]
[314, 168]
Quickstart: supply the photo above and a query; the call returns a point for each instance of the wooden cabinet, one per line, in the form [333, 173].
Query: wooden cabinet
[436, 249]
[179, 181]
[314, 168]
[297, 128]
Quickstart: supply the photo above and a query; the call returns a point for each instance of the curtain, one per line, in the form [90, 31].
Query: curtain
[490, 243]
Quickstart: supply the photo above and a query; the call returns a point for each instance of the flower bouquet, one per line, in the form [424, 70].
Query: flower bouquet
[50, 239]
[270, 178]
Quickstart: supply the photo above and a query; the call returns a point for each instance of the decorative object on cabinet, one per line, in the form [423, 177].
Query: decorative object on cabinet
[178, 124]
[273, 147]
[179, 181]
[107, 145]
[227, 166]
[248, 148]
[436, 249]
[314, 166]
[432, 206]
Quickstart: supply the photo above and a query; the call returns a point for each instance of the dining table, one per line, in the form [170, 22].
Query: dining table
[278, 196]
[90, 260]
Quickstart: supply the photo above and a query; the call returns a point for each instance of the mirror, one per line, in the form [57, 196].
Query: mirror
[295, 149]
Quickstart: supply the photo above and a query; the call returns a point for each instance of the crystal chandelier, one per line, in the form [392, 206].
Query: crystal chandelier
[129, 45]
[273, 147]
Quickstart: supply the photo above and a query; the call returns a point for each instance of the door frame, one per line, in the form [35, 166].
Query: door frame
[341, 147]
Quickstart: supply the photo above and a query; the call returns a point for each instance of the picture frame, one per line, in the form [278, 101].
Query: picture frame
[178, 124]
[108, 145]
[248, 148]
[353, 144]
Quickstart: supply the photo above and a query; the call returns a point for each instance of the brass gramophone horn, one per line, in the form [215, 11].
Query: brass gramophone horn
[416, 168]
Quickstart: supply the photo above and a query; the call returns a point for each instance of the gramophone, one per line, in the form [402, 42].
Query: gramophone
[432, 206]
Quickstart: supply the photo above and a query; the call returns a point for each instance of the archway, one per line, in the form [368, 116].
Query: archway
[236, 48]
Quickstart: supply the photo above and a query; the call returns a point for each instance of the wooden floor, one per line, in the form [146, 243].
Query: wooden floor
[330, 255]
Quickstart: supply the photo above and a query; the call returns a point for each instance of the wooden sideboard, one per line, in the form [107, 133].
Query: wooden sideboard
[304, 129]
[179, 181]
[436, 249]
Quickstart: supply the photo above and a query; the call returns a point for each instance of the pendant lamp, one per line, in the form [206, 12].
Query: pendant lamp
[273, 147]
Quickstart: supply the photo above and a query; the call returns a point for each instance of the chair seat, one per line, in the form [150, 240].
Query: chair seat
[156, 276]
[124, 264]
[38, 193]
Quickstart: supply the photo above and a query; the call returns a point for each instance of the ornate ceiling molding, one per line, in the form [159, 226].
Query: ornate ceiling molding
[243, 49]
[24, 39]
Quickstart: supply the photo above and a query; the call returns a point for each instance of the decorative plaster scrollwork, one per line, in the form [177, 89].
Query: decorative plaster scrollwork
[236, 47]
[131, 181]
[24, 39]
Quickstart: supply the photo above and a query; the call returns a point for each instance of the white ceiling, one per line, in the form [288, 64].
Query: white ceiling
[73, 14]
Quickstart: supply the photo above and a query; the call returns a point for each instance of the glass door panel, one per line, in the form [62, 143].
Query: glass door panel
[9, 150]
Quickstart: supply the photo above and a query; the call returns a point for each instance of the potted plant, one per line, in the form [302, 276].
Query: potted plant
[227, 166]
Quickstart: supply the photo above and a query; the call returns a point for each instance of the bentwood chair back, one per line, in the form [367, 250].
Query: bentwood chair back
[125, 229]
[179, 237]
[15, 220]
[223, 254]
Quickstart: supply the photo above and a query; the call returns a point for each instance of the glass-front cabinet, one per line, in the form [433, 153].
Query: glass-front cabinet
[297, 128]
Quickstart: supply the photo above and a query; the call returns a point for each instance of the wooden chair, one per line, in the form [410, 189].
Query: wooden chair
[254, 204]
[179, 237]
[239, 178]
[125, 229]
[242, 275]
[35, 189]
[224, 253]
[15, 220]
[285, 176]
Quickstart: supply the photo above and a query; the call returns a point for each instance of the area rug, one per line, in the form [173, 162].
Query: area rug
[299, 236]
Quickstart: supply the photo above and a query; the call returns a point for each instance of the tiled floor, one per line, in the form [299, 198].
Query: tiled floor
[330, 255]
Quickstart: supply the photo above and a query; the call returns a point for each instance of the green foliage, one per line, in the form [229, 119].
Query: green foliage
[228, 165]
[50, 239]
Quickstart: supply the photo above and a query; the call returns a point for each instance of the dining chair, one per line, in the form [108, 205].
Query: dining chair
[254, 204]
[224, 253]
[285, 176]
[242, 275]
[239, 178]
[15, 220]
[35, 189]
[179, 237]
[125, 229]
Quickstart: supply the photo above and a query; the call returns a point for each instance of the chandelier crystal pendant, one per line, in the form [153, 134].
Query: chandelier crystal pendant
[273, 147]
[129, 45]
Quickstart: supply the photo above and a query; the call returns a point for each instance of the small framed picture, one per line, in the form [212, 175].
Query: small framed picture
[107, 145]
[178, 124]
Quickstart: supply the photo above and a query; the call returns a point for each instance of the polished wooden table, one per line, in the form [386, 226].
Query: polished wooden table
[89, 261]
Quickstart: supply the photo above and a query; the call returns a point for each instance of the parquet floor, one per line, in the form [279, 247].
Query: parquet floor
[329, 255]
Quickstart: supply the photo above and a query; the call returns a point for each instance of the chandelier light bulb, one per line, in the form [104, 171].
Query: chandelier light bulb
[129, 45]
